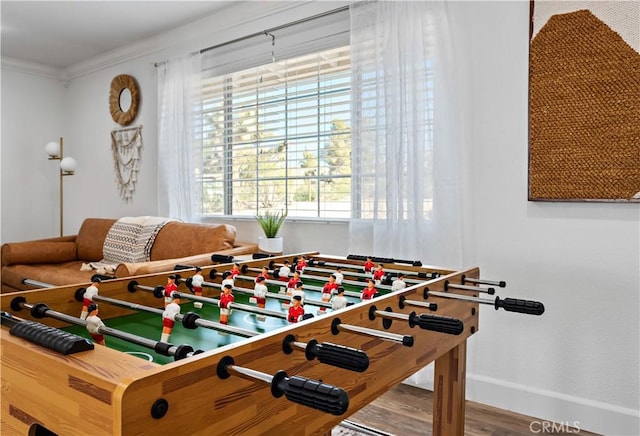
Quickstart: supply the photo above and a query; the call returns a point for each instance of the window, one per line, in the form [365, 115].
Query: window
[278, 137]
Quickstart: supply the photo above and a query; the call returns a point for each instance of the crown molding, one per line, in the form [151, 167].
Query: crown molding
[223, 25]
[28, 67]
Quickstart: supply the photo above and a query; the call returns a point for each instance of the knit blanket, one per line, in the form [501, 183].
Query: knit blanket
[130, 239]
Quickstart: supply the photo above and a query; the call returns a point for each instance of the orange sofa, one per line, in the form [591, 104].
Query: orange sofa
[57, 261]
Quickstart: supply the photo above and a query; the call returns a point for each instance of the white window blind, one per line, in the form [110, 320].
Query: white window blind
[278, 137]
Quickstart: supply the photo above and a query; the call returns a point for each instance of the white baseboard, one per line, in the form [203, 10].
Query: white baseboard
[546, 406]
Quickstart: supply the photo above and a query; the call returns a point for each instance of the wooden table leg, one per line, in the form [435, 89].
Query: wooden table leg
[449, 392]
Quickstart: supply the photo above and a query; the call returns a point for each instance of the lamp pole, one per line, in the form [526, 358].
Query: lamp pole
[67, 168]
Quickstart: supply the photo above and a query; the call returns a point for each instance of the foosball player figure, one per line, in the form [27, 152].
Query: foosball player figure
[298, 291]
[196, 282]
[378, 274]
[260, 294]
[399, 283]
[327, 290]
[368, 265]
[94, 323]
[169, 289]
[226, 298]
[296, 311]
[339, 276]
[87, 298]
[370, 291]
[227, 279]
[339, 301]
[291, 284]
[169, 316]
[263, 273]
[235, 270]
[302, 264]
[285, 270]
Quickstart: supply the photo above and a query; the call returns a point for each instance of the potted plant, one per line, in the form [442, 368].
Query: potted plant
[271, 223]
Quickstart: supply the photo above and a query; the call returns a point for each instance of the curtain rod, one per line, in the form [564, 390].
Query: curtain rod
[272, 29]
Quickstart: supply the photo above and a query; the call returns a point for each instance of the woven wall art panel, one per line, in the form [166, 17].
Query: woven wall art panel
[584, 102]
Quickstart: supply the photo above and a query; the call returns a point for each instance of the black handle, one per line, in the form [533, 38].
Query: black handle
[311, 393]
[338, 355]
[49, 337]
[529, 307]
[436, 323]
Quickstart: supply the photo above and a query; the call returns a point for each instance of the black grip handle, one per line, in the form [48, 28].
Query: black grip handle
[529, 307]
[311, 393]
[436, 323]
[49, 337]
[338, 355]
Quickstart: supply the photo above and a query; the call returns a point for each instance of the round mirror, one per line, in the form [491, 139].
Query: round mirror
[124, 98]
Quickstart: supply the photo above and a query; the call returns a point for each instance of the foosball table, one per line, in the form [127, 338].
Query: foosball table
[258, 373]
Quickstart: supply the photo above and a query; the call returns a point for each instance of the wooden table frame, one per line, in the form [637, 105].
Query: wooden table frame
[105, 391]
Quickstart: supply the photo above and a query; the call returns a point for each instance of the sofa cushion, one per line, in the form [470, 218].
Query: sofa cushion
[33, 252]
[178, 239]
[54, 273]
[91, 238]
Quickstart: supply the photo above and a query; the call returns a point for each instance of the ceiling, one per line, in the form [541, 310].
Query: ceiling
[60, 34]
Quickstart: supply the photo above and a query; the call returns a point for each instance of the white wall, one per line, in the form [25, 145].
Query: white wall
[33, 114]
[579, 362]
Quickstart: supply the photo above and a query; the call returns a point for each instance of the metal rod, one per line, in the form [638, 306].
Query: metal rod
[391, 315]
[454, 297]
[263, 32]
[237, 306]
[276, 282]
[371, 332]
[250, 374]
[489, 291]
[200, 322]
[37, 283]
[500, 284]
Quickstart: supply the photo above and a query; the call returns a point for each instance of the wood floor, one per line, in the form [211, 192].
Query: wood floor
[407, 410]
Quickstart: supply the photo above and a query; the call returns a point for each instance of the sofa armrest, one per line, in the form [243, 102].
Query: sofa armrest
[54, 250]
[130, 269]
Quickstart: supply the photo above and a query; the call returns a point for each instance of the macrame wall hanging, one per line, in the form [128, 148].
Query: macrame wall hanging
[126, 145]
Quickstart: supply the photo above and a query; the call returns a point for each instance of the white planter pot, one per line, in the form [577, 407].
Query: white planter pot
[271, 245]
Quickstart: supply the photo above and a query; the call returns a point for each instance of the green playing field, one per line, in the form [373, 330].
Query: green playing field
[149, 325]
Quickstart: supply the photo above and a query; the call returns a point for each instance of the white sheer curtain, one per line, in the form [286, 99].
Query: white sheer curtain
[404, 134]
[179, 137]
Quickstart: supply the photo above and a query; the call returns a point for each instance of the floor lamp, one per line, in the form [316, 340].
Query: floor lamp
[68, 165]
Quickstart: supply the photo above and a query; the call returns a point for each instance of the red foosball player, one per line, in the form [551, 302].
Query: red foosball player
[196, 282]
[87, 298]
[296, 311]
[285, 270]
[370, 291]
[169, 316]
[378, 274]
[399, 283]
[302, 264]
[327, 290]
[226, 298]
[368, 265]
[291, 284]
[94, 323]
[263, 273]
[339, 301]
[169, 288]
[235, 270]
[260, 294]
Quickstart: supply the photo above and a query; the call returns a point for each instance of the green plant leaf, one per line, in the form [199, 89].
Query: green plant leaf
[271, 222]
